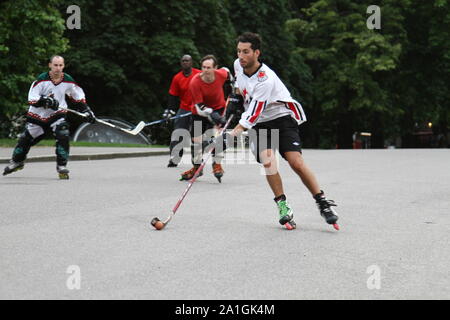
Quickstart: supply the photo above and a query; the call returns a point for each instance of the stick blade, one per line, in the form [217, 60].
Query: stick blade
[154, 221]
[157, 224]
[138, 128]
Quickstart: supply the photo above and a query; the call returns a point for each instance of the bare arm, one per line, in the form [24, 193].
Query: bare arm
[237, 130]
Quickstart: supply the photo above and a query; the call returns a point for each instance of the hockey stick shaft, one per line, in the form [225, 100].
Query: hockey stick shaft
[172, 118]
[194, 178]
[134, 132]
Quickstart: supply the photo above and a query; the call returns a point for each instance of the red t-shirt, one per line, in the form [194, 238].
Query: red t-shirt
[180, 88]
[211, 94]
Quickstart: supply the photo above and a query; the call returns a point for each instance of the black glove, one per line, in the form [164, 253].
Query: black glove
[217, 119]
[47, 102]
[89, 115]
[235, 106]
[168, 113]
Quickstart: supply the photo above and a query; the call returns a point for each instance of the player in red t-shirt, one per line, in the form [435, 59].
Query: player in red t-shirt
[208, 98]
[180, 98]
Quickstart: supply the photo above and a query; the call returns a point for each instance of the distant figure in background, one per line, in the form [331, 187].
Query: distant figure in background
[208, 110]
[180, 98]
[47, 114]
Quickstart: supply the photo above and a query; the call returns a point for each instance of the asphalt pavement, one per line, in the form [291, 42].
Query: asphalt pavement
[39, 154]
[90, 237]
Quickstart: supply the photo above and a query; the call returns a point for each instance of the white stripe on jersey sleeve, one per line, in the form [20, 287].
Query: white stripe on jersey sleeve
[35, 92]
[76, 93]
[250, 117]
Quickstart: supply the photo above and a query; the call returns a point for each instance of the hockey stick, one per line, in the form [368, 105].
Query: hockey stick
[163, 120]
[134, 132]
[158, 224]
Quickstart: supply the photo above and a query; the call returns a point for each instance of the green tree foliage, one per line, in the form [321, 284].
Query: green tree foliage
[421, 85]
[30, 32]
[350, 64]
[127, 52]
[348, 78]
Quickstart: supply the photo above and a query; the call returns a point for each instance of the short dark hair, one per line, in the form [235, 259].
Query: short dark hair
[54, 56]
[208, 57]
[186, 57]
[253, 38]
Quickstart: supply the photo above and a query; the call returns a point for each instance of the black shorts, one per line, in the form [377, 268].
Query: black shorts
[202, 122]
[281, 134]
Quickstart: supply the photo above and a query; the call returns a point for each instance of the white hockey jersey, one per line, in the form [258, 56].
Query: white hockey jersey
[45, 86]
[265, 97]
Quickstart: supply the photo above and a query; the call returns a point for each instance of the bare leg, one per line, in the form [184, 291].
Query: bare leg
[272, 175]
[297, 163]
[196, 150]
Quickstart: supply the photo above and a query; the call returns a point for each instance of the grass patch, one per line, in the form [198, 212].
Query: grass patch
[5, 143]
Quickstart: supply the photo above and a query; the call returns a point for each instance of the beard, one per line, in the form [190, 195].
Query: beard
[249, 64]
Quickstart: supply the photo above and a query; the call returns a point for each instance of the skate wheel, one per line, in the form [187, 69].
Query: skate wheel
[64, 176]
[290, 225]
[336, 226]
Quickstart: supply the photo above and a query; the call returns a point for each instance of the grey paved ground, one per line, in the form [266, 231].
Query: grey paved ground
[39, 153]
[224, 242]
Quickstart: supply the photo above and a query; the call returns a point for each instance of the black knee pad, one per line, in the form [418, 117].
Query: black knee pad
[62, 143]
[24, 144]
[62, 131]
[25, 139]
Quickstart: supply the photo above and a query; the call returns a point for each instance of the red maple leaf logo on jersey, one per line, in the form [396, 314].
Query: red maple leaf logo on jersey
[262, 76]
